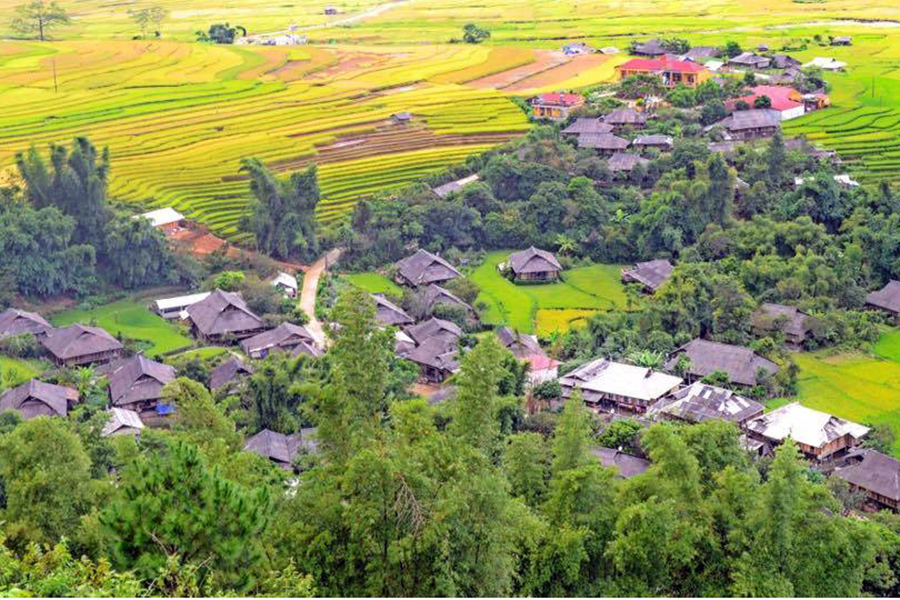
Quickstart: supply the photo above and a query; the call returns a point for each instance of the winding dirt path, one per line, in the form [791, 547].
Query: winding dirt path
[308, 294]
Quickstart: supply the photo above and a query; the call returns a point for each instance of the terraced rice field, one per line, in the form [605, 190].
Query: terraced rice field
[861, 387]
[549, 307]
[179, 118]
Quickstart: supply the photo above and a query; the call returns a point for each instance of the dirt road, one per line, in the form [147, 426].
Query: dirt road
[308, 294]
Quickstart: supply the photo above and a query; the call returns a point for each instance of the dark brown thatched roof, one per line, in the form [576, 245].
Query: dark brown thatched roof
[628, 466]
[434, 327]
[651, 48]
[222, 313]
[533, 260]
[625, 116]
[654, 141]
[18, 322]
[651, 274]
[739, 363]
[792, 320]
[887, 297]
[755, 118]
[434, 295]
[388, 313]
[602, 141]
[228, 371]
[138, 379]
[36, 398]
[624, 162]
[76, 341]
[587, 125]
[872, 471]
[279, 447]
[701, 402]
[423, 268]
[284, 337]
[438, 352]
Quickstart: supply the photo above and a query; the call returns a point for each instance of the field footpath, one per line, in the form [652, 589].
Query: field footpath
[308, 294]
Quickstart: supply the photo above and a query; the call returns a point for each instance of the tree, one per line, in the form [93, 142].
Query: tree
[145, 17]
[526, 462]
[473, 34]
[572, 437]
[220, 34]
[135, 254]
[775, 157]
[762, 102]
[46, 473]
[75, 183]
[283, 218]
[39, 17]
[170, 506]
[475, 417]
[749, 78]
[732, 49]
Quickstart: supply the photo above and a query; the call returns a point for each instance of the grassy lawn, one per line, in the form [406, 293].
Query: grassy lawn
[133, 320]
[855, 386]
[202, 353]
[374, 283]
[14, 371]
[548, 307]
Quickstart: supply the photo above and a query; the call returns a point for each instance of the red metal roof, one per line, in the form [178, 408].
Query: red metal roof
[560, 99]
[778, 94]
[650, 64]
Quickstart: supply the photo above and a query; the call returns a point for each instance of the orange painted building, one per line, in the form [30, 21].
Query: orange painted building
[672, 72]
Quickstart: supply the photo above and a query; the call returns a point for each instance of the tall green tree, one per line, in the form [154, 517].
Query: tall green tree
[475, 416]
[282, 217]
[46, 474]
[75, 182]
[135, 254]
[170, 506]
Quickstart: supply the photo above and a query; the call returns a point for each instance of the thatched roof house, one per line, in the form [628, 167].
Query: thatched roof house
[626, 465]
[587, 125]
[702, 402]
[650, 274]
[223, 314]
[887, 298]
[818, 434]
[741, 364]
[228, 372]
[605, 384]
[651, 48]
[81, 345]
[875, 474]
[534, 264]
[790, 320]
[35, 398]
[522, 345]
[622, 162]
[286, 337]
[625, 117]
[424, 268]
[280, 448]
[389, 314]
[603, 143]
[19, 322]
[137, 383]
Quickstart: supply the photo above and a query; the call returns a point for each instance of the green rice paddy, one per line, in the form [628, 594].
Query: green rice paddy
[374, 283]
[132, 320]
[545, 308]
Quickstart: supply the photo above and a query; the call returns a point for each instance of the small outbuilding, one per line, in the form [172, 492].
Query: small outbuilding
[122, 422]
[167, 220]
[534, 264]
[651, 274]
[887, 298]
[286, 284]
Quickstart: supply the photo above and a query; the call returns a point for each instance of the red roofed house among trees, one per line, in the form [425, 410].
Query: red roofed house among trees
[787, 101]
[672, 72]
[555, 105]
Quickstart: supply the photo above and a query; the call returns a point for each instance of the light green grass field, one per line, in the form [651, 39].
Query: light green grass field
[374, 283]
[202, 353]
[14, 371]
[547, 307]
[853, 386]
[133, 320]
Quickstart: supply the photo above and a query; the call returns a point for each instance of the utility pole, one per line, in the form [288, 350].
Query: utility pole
[55, 82]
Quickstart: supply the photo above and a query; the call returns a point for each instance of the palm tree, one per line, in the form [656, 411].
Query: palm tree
[647, 359]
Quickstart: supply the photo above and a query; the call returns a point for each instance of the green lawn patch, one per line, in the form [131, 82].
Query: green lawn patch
[133, 320]
[374, 283]
[202, 353]
[546, 307]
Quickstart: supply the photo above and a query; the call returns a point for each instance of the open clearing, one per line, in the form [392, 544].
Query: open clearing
[545, 308]
[133, 320]
[858, 387]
